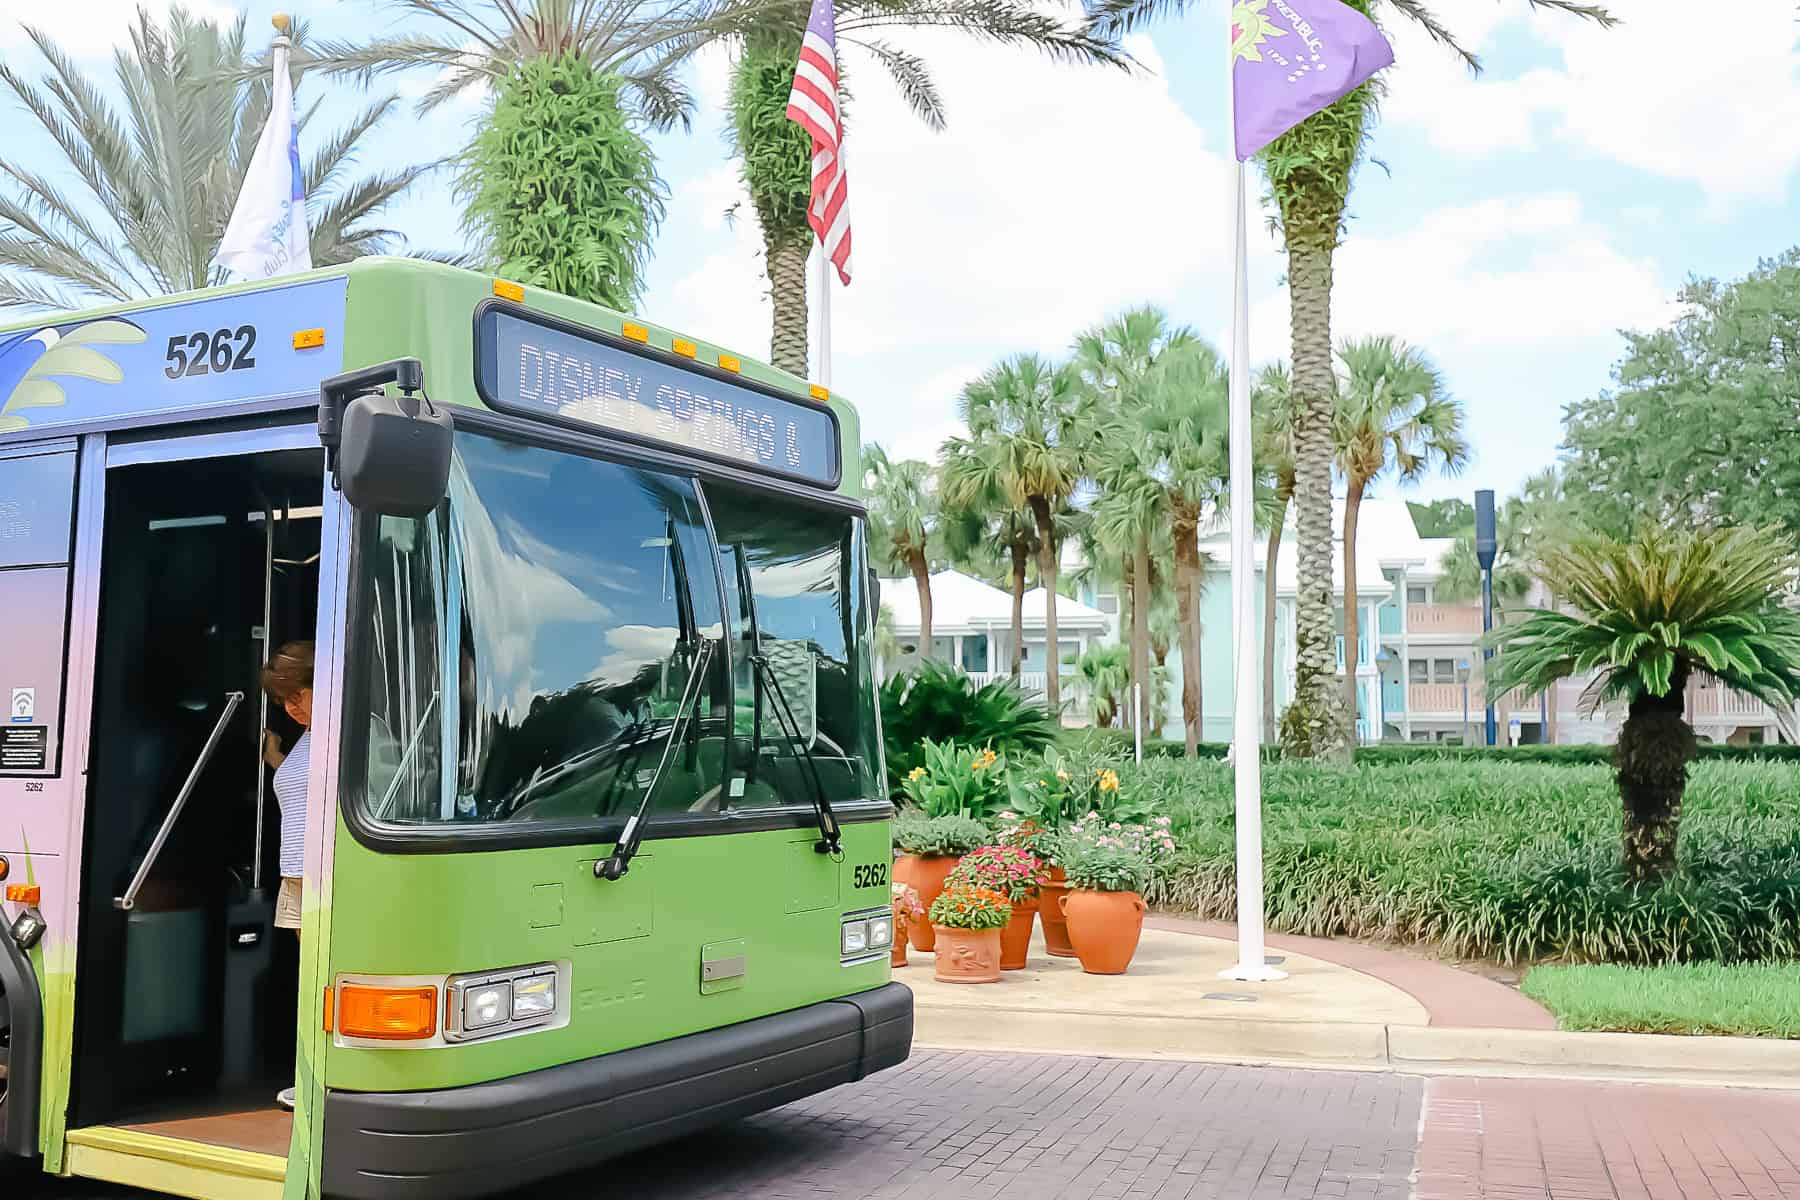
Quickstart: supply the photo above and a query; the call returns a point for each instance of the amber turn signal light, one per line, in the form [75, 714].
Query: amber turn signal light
[24, 893]
[387, 1014]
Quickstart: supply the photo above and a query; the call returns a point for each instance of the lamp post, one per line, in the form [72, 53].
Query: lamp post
[1485, 546]
[1462, 677]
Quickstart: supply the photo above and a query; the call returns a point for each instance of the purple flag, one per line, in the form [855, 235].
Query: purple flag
[1291, 58]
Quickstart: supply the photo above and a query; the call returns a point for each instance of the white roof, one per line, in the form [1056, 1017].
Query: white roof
[963, 604]
[1385, 537]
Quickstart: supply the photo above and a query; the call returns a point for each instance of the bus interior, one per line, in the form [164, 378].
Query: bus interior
[186, 1009]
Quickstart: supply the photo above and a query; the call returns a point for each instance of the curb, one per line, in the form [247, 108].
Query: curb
[1410, 1049]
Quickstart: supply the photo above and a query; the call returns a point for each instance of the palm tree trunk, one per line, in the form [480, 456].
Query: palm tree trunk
[921, 573]
[1314, 726]
[1046, 525]
[1651, 764]
[1140, 634]
[1020, 555]
[786, 262]
[1187, 615]
[1269, 598]
[1352, 615]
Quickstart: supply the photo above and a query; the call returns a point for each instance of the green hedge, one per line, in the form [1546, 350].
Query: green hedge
[1395, 753]
[1513, 861]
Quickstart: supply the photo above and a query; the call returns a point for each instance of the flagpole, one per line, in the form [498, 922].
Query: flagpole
[1252, 964]
[824, 270]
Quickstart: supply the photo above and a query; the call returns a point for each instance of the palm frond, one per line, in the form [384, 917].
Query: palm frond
[912, 77]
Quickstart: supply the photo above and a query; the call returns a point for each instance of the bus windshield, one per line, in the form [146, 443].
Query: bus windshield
[537, 634]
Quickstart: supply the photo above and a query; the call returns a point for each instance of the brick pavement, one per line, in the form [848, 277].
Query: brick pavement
[1519, 1139]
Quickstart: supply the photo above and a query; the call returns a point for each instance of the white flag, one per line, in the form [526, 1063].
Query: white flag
[267, 234]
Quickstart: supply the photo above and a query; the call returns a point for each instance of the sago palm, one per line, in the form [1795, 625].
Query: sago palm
[1024, 426]
[903, 517]
[1649, 614]
[139, 197]
[774, 154]
[1183, 422]
[1392, 416]
[1310, 169]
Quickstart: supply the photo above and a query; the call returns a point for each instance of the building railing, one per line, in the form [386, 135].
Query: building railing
[1439, 619]
[1717, 702]
[1441, 698]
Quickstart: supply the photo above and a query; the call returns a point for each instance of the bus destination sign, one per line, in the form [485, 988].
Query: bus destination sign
[536, 369]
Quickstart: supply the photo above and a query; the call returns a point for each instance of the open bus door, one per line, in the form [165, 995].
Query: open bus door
[208, 551]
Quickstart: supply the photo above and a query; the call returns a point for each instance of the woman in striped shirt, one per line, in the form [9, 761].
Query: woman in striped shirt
[288, 679]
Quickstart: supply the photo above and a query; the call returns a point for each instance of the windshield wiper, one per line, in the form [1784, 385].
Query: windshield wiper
[616, 864]
[830, 837]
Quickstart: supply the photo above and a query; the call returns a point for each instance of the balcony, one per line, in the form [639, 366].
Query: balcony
[1715, 704]
[1443, 620]
[1423, 698]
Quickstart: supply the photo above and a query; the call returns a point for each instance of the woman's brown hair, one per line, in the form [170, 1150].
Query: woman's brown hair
[289, 672]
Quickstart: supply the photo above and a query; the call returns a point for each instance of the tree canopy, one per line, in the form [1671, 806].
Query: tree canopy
[1702, 425]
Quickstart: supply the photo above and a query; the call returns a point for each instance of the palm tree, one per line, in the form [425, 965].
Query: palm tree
[158, 177]
[775, 155]
[981, 520]
[903, 519]
[1106, 670]
[561, 182]
[1525, 527]
[1392, 414]
[1183, 420]
[1310, 169]
[1023, 419]
[1271, 406]
[1649, 614]
[1130, 510]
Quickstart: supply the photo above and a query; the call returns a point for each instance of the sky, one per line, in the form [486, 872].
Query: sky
[1510, 224]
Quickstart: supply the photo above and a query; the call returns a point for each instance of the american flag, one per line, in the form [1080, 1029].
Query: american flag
[814, 104]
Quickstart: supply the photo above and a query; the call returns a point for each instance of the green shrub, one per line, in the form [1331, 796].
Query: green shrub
[1502, 860]
[939, 703]
[957, 781]
[916, 833]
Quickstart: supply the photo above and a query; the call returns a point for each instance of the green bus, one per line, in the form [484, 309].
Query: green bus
[596, 843]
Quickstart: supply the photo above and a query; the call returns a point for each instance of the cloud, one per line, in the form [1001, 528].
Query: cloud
[1056, 194]
[90, 29]
[1521, 271]
[1651, 94]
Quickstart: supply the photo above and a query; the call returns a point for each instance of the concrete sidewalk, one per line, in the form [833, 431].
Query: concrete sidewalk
[1343, 1006]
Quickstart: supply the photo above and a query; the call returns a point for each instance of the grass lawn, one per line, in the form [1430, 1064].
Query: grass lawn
[1748, 999]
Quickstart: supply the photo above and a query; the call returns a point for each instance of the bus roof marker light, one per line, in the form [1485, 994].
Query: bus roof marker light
[730, 363]
[636, 332]
[508, 290]
[821, 394]
[308, 339]
[686, 348]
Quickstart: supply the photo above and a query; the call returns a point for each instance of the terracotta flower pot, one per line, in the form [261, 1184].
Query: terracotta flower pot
[1104, 928]
[927, 877]
[1051, 889]
[967, 955]
[1015, 939]
[897, 956]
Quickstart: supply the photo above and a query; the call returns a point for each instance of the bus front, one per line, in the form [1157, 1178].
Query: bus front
[611, 853]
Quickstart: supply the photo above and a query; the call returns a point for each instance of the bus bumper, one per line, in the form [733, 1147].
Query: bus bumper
[489, 1138]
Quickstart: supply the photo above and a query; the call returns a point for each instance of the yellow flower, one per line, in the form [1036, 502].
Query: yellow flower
[916, 774]
[1062, 775]
[984, 760]
[1109, 781]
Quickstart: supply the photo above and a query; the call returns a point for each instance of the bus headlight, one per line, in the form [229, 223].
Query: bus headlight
[863, 935]
[496, 1002]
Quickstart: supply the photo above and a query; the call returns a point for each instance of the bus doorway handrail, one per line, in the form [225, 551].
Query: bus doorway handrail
[129, 900]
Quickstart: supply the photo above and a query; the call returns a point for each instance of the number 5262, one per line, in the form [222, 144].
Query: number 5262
[203, 353]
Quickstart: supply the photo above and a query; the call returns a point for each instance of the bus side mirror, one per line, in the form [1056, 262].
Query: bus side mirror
[389, 454]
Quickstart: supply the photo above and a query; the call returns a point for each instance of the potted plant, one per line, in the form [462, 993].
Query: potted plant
[907, 910]
[1011, 871]
[1108, 864]
[1062, 789]
[930, 847]
[968, 922]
